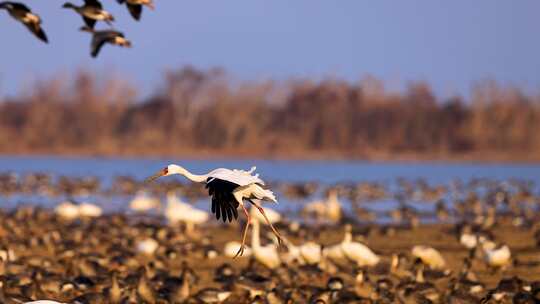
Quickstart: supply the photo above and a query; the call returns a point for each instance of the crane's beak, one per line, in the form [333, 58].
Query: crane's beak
[156, 176]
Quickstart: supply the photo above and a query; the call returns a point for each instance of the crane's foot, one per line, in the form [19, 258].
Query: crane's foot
[240, 252]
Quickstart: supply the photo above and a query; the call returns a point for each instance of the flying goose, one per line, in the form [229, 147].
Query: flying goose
[99, 39]
[91, 11]
[23, 14]
[135, 7]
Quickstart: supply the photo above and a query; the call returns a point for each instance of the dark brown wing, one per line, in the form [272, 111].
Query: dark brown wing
[224, 204]
[89, 22]
[38, 31]
[17, 6]
[94, 3]
[135, 10]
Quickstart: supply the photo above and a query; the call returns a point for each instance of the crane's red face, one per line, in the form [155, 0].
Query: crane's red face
[163, 172]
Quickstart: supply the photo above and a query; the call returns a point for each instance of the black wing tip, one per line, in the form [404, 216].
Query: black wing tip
[42, 36]
[135, 10]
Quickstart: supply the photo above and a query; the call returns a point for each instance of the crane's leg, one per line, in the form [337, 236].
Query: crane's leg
[274, 230]
[238, 197]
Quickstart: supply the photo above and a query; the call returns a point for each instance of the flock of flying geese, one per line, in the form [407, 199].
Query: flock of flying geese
[91, 12]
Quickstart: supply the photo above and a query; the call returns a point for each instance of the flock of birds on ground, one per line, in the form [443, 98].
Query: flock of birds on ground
[485, 247]
[91, 12]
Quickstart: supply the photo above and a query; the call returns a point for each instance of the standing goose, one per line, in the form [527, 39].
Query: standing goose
[24, 15]
[135, 7]
[99, 39]
[91, 11]
[228, 189]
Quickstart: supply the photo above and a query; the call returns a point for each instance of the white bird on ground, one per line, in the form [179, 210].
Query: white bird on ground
[334, 252]
[178, 211]
[67, 210]
[143, 202]
[329, 209]
[429, 256]
[311, 253]
[228, 189]
[147, 246]
[89, 210]
[357, 252]
[498, 257]
[267, 255]
[468, 240]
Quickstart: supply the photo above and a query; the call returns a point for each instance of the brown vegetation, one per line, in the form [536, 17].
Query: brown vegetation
[202, 113]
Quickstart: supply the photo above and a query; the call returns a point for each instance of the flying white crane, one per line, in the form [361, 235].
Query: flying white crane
[228, 189]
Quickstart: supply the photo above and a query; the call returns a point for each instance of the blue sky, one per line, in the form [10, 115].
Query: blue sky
[450, 44]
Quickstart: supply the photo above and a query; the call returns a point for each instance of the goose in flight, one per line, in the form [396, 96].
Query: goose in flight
[228, 189]
[135, 7]
[91, 11]
[23, 14]
[100, 38]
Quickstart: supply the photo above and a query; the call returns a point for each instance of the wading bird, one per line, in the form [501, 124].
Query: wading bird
[135, 7]
[91, 11]
[99, 39]
[228, 189]
[23, 14]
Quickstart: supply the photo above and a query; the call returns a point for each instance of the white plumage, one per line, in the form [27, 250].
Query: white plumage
[267, 255]
[236, 176]
[357, 252]
[498, 257]
[468, 240]
[143, 202]
[67, 210]
[147, 246]
[329, 209]
[89, 210]
[178, 211]
[360, 253]
[429, 256]
[311, 253]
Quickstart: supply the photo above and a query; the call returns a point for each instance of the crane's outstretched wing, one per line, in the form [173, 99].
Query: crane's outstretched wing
[239, 177]
[224, 204]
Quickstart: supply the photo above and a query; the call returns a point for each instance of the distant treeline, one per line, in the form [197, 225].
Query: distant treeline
[204, 113]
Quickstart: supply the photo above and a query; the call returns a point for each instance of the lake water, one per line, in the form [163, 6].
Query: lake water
[325, 172]
[277, 170]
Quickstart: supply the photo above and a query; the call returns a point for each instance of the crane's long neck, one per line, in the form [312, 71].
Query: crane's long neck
[255, 237]
[192, 177]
